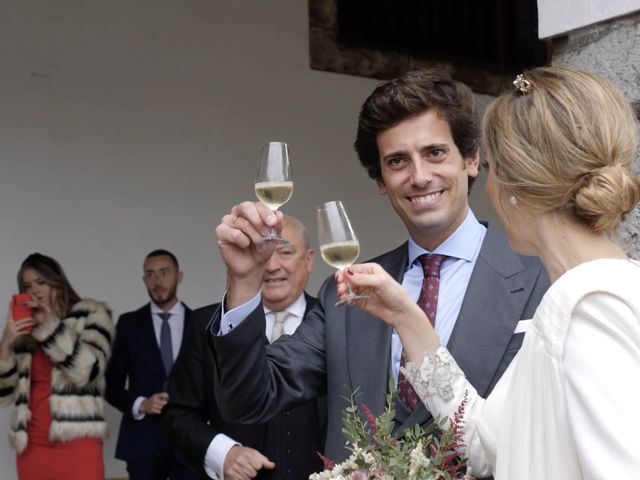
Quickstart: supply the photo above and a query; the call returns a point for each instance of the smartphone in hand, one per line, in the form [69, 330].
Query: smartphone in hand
[19, 308]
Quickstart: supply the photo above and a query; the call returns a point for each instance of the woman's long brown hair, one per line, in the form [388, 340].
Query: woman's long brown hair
[52, 273]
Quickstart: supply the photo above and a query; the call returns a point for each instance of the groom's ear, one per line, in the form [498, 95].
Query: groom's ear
[382, 188]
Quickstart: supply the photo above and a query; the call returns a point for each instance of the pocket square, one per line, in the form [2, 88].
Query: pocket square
[522, 326]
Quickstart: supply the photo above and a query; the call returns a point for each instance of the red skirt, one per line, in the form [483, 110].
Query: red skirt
[79, 459]
[43, 459]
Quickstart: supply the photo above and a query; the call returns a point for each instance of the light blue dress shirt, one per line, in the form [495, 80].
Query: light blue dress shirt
[462, 249]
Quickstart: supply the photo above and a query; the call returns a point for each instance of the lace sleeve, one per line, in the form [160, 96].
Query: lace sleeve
[443, 387]
[435, 376]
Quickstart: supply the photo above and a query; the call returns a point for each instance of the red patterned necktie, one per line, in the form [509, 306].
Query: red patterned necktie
[428, 301]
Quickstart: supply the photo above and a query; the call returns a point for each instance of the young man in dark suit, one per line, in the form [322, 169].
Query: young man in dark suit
[147, 342]
[282, 448]
[418, 138]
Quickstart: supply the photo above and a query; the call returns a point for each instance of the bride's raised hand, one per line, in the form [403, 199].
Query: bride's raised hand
[386, 300]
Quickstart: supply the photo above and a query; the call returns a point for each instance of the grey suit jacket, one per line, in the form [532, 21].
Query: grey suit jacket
[339, 349]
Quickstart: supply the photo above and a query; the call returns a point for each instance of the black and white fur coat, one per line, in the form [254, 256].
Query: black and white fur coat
[79, 347]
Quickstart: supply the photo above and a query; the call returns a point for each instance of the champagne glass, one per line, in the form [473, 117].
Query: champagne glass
[273, 181]
[339, 245]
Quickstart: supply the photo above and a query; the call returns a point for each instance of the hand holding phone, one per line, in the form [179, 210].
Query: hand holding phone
[20, 308]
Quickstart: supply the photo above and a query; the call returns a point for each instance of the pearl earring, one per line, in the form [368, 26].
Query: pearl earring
[513, 200]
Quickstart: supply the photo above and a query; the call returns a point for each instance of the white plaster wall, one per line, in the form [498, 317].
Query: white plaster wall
[556, 17]
[127, 126]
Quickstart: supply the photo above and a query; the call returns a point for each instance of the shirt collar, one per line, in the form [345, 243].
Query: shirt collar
[297, 308]
[176, 311]
[460, 244]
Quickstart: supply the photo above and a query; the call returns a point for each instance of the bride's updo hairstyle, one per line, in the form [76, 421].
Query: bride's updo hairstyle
[564, 140]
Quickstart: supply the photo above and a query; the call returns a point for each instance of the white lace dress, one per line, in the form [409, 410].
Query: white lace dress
[568, 406]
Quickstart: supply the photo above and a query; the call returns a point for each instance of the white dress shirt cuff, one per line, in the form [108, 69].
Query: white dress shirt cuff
[236, 316]
[216, 454]
[135, 409]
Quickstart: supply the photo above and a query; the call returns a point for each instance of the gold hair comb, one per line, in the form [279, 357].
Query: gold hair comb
[522, 84]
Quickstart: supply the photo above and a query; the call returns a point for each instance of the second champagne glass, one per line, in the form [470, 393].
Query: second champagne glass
[273, 181]
[339, 245]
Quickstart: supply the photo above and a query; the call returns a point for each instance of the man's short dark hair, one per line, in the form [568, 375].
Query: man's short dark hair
[163, 253]
[410, 95]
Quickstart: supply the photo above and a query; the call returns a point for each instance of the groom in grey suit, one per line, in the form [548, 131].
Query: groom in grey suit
[418, 139]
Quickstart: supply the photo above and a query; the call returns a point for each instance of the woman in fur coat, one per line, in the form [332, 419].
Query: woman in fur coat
[52, 370]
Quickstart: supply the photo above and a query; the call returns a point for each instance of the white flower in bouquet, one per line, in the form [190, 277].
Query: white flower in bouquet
[429, 454]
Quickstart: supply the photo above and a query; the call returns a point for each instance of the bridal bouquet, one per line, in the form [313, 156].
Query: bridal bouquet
[429, 454]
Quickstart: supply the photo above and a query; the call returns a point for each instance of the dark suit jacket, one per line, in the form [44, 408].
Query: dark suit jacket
[192, 419]
[339, 349]
[136, 357]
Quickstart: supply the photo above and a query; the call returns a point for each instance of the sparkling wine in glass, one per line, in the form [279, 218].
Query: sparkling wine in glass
[273, 181]
[339, 245]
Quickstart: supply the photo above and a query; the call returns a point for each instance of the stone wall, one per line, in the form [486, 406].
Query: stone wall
[611, 49]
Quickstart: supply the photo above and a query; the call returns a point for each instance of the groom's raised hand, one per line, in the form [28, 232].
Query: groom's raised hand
[238, 236]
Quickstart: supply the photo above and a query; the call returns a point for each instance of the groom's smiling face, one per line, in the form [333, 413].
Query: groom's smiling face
[425, 176]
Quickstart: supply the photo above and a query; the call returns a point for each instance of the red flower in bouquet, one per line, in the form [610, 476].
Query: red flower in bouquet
[429, 454]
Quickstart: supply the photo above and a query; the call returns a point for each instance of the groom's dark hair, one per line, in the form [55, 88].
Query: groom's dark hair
[410, 95]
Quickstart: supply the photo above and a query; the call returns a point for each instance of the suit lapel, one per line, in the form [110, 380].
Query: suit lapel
[310, 302]
[149, 334]
[187, 322]
[368, 341]
[493, 304]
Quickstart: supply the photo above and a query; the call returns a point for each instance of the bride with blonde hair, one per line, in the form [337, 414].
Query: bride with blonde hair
[560, 149]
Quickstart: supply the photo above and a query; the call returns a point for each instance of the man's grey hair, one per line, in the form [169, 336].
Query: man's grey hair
[303, 229]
